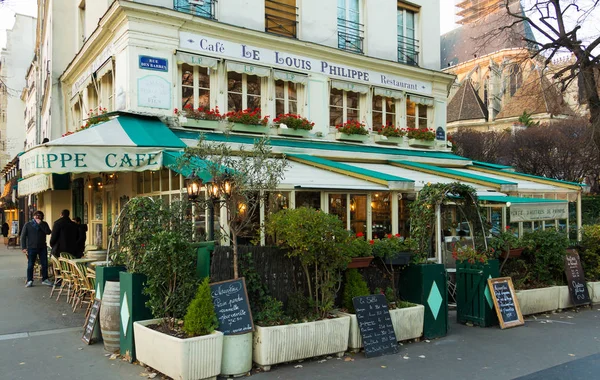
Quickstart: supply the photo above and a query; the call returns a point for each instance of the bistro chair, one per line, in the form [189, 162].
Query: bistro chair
[57, 275]
[91, 275]
[84, 287]
[67, 276]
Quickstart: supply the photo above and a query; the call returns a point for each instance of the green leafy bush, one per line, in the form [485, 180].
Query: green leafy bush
[590, 254]
[200, 318]
[356, 286]
[170, 268]
[299, 307]
[271, 313]
[545, 254]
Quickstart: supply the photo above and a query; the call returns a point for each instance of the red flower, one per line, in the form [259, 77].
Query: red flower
[398, 235]
[360, 234]
[389, 236]
[371, 242]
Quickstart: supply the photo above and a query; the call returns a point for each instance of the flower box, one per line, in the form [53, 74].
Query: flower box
[512, 253]
[594, 290]
[421, 143]
[381, 139]
[407, 322]
[293, 132]
[354, 138]
[360, 262]
[280, 344]
[249, 128]
[200, 124]
[540, 300]
[185, 359]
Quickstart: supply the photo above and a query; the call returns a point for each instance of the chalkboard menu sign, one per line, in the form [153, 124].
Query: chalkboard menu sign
[375, 325]
[232, 307]
[505, 301]
[576, 279]
[90, 322]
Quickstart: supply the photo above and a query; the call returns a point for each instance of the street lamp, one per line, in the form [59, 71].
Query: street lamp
[215, 189]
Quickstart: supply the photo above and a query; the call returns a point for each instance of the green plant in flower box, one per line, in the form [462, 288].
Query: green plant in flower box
[293, 121]
[352, 127]
[420, 134]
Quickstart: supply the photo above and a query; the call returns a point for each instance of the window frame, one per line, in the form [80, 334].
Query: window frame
[345, 105]
[384, 112]
[404, 46]
[244, 92]
[195, 85]
[286, 101]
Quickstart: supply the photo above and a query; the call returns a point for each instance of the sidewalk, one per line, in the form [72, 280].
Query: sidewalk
[41, 338]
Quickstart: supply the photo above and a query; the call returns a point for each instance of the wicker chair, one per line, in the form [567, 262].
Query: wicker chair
[57, 274]
[67, 275]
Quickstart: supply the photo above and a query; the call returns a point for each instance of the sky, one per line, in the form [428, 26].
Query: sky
[7, 14]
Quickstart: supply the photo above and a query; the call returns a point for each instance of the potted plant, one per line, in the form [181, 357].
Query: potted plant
[248, 120]
[352, 130]
[389, 134]
[236, 177]
[420, 137]
[291, 124]
[473, 268]
[204, 118]
[318, 241]
[191, 349]
[129, 246]
[360, 251]
[388, 249]
[506, 243]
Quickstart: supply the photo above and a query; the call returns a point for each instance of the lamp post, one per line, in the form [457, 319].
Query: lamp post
[222, 187]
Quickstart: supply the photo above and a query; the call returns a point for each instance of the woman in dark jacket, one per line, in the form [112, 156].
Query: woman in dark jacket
[5, 229]
[33, 242]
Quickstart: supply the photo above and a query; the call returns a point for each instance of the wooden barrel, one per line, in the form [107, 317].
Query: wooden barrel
[110, 316]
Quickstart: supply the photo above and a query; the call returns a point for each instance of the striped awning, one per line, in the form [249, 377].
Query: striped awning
[124, 143]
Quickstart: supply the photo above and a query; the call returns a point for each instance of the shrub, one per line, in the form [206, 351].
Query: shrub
[391, 131]
[299, 307]
[170, 266]
[358, 246]
[356, 286]
[200, 113]
[420, 134]
[247, 116]
[590, 254]
[200, 318]
[545, 254]
[271, 313]
[352, 127]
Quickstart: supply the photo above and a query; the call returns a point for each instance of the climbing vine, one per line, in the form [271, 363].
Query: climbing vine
[422, 212]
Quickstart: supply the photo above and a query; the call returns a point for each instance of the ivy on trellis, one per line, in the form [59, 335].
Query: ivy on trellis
[422, 212]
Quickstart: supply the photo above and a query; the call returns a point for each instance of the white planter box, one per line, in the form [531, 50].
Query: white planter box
[407, 322]
[564, 298]
[280, 344]
[534, 301]
[201, 124]
[247, 128]
[184, 359]
[293, 132]
[594, 290]
[380, 139]
[421, 143]
[353, 138]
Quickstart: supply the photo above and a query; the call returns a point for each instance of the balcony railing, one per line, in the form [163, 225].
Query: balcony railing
[350, 35]
[201, 8]
[408, 51]
[281, 18]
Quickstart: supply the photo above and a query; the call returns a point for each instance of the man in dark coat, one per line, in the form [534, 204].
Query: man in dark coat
[82, 235]
[33, 242]
[65, 235]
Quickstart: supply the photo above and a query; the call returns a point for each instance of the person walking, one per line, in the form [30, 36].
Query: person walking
[65, 235]
[33, 243]
[5, 229]
[82, 235]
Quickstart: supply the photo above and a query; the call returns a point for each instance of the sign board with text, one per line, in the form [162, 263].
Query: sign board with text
[506, 302]
[540, 211]
[232, 306]
[375, 325]
[153, 63]
[576, 279]
[90, 322]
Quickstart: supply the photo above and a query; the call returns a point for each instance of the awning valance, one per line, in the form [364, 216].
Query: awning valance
[104, 69]
[290, 77]
[421, 100]
[388, 93]
[34, 185]
[124, 143]
[196, 60]
[245, 68]
[349, 86]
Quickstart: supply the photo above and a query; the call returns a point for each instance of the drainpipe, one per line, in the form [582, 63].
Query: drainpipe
[579, 221]
[438, 232]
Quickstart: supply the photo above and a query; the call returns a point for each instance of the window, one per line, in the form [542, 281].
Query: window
[77, 115]
[280, 17]
[92, 99]
[243, 91]
[195, 86]
[416, 115]
[384, 111]
[202, 8]
[516, 79]
[338, 205]
[408, 45]
[343, 106]
[106, 91]
[381, 211]
[350, 30]
[286, 97]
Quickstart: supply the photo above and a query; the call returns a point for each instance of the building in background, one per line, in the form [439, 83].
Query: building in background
[496, 81]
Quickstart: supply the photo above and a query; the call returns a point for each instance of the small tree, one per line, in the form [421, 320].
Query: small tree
[244, 177]
[319, 241]
[200, 318]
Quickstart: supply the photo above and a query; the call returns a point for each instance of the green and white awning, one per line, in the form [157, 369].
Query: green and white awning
[124, 143]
